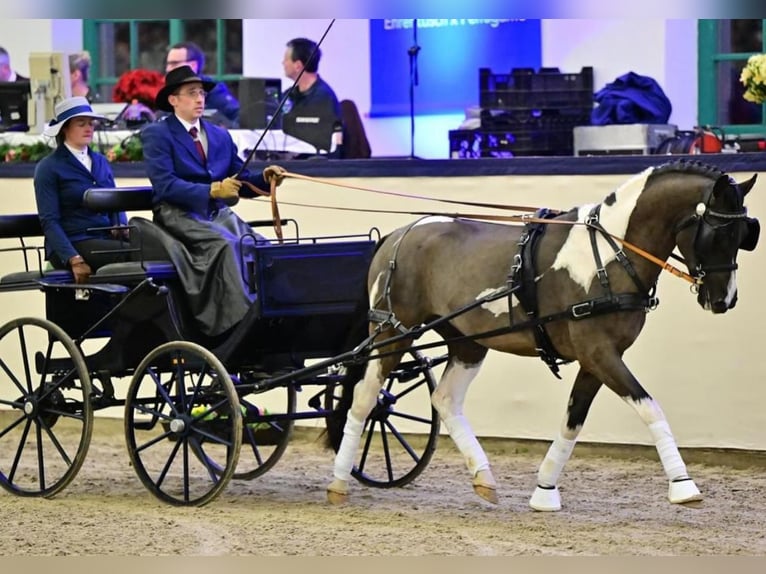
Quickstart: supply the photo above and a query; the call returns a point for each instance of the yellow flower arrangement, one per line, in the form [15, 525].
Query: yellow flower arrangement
[753, 77]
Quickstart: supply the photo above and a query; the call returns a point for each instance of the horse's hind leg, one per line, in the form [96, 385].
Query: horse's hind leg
[448, 400]
[546, 497]
[365, 398]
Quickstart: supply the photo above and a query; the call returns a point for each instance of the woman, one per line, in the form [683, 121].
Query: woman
[72, 236]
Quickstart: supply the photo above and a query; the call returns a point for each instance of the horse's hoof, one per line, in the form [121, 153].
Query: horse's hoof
[336, 498]
[488, 493]
[545, 499]
[684, 492]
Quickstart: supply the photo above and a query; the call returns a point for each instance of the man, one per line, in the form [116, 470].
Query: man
[312, 96]
[219, 98]
[192, 165]
[7, 74]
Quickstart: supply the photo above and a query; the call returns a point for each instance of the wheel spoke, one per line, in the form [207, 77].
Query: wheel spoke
[19, 450]
[402, 441]
[386, 452]
[168, 464]
[410, 417]
[13, 378]
[13, 425]
[54, 440]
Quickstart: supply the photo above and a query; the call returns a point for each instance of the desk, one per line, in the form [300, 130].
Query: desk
[245, 140]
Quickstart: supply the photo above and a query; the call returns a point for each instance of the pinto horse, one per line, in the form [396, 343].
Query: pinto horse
[578, 295]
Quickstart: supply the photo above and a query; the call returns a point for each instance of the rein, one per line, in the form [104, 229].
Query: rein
[523, 219]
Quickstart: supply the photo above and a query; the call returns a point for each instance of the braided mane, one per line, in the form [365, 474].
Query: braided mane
[687, 167]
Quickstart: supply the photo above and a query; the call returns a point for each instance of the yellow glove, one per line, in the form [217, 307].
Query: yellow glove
[226, 189]
[274, 171]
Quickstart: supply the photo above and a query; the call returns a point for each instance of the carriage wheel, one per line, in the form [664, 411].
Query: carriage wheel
[389, 457]
[181, 412]
[264, 443]
[46, 417]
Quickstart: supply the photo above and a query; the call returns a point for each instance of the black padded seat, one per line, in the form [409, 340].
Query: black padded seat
[134, 272]
[112, 199]
[30, 280]
[20, 225]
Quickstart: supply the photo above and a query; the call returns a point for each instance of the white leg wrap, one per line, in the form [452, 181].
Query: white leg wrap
[671, 459]
[352, 436]
[467, 444]
[557, 456]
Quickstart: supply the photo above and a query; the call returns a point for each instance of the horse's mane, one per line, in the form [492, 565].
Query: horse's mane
[685, 166]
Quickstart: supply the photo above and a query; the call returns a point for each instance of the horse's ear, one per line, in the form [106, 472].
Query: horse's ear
[746, 186]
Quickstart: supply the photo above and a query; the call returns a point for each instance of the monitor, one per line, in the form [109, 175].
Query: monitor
[110, 110]
[50, 83]
[14, 106]
[312, 123]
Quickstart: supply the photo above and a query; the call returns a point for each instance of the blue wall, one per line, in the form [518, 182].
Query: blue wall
[451, 52]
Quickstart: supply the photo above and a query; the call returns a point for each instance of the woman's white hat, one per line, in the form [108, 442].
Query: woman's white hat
[74, 107]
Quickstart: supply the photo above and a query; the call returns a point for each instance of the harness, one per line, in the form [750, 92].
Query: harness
[523, 285]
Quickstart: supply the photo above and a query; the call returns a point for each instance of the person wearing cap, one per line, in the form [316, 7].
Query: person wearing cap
[194, 168]
[73, 239]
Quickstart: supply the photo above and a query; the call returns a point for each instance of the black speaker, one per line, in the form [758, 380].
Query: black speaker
[258, 102]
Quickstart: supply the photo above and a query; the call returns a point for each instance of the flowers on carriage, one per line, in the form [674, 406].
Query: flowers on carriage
[753, 77]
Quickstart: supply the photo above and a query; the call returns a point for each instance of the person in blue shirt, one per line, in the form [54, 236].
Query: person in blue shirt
[219, 97]
[73, 239]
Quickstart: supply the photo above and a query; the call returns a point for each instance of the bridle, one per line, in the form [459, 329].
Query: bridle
[704, 235]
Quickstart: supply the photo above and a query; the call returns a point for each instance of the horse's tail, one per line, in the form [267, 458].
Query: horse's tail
[336, 420]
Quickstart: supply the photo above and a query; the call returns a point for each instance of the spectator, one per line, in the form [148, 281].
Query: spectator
[219, 98]
[311, 92]
[7, 73]
[193, 167]
[61, 178]
[79, 70]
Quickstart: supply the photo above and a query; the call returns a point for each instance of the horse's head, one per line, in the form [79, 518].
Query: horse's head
[710, 238]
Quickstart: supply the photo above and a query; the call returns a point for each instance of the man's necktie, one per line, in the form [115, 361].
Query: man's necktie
[194, 133]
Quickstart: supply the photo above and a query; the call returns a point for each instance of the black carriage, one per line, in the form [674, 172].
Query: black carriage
[198, 411]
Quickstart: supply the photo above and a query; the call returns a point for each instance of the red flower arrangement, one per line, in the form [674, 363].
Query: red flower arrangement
[138, 86]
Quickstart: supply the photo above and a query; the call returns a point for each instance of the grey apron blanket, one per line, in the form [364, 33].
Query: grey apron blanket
[211, 260]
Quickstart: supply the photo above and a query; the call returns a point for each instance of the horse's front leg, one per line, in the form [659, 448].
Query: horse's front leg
[546, 497]
[617, 377]
[681, 488]
[448, 400]
[365, 398]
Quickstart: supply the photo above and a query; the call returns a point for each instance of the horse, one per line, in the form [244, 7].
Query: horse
[564, 287]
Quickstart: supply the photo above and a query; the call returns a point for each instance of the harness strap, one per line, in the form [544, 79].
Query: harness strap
[523, 284]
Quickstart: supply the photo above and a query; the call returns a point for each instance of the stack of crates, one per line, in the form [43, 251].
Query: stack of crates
[527, 113]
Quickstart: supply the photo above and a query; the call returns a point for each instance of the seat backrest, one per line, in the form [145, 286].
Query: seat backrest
[355, 142]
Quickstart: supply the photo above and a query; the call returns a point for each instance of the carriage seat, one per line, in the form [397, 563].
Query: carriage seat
[149, 258]
[21, 227]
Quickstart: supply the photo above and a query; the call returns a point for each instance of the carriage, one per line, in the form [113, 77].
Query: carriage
[198, 410]
[341, 316]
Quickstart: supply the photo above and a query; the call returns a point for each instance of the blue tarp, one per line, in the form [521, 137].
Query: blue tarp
[631, 99]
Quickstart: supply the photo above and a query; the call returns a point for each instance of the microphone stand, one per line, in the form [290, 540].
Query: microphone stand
[413, 54]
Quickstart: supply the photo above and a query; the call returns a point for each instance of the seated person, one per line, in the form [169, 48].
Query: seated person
[61, 179]
[192, 165]
[312, 97]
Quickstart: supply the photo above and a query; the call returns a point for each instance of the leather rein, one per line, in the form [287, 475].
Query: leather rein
[523, 219]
